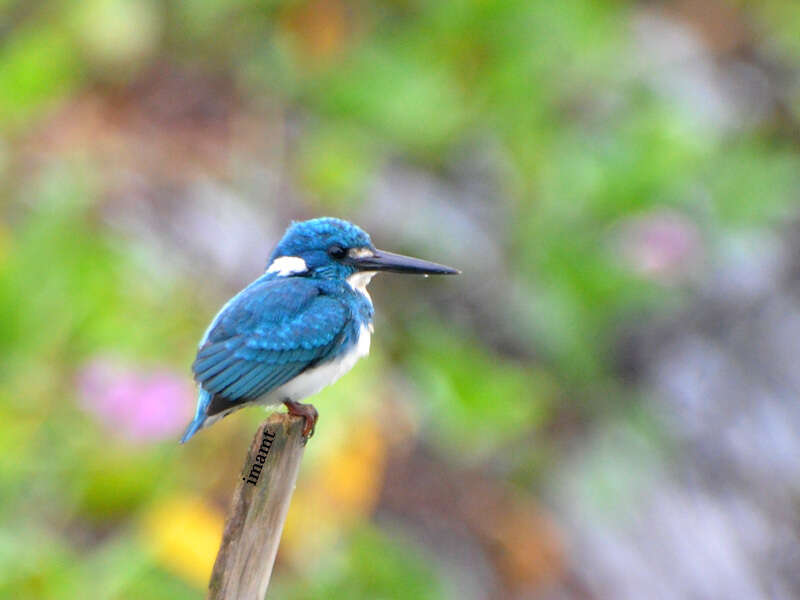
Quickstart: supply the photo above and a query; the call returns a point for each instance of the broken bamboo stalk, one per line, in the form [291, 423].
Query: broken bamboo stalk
[255, 520]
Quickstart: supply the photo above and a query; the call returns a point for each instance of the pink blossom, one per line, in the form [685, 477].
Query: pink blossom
[664, 246]
[135, 404]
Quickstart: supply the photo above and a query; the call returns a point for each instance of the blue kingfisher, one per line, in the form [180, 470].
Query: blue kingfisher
[299, 327]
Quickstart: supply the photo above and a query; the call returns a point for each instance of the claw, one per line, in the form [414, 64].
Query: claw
[309, 414]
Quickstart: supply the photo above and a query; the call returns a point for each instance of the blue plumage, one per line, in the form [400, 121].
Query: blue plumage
[296, 328]
[274, 330]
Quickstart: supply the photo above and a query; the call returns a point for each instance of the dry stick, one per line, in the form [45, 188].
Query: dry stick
[255, 520]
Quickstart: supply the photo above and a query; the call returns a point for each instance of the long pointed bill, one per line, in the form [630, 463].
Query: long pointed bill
[397, 263]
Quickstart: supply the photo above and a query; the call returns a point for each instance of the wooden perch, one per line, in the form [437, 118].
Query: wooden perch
[260, 503]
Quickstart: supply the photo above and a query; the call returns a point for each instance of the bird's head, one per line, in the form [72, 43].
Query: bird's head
[335, 249]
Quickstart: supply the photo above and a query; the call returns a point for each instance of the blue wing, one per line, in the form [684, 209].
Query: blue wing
[268, 334]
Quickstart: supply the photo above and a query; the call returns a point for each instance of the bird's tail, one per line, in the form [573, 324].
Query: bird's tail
[200, 416]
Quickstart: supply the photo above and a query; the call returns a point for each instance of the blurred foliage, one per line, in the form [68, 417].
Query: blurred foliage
[371, 566]
[445, 364]
[580, 149]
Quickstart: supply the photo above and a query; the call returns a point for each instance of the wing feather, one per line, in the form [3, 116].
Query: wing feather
[270, 333]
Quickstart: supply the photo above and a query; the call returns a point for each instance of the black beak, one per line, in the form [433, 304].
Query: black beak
[381, 260]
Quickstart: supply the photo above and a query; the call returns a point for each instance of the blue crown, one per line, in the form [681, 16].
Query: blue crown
[320, 234]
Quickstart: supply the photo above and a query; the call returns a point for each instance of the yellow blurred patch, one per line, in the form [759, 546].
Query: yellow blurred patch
[320, 26]
[341, 487]
[184, 534]
[352, 478]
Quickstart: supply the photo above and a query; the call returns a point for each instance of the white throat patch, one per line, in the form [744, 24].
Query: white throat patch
[359, 281]
[288, 265]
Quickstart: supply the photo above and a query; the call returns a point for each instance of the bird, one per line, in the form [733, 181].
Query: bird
[298, 327]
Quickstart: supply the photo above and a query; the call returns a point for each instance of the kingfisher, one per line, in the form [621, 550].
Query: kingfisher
[297, 328]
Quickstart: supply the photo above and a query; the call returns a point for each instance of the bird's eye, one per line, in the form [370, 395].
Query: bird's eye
[337, 252]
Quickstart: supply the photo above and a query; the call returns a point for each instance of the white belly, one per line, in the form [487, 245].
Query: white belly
[313, 380]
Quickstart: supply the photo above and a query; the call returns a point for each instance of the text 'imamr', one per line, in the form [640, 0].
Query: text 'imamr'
[260, 458]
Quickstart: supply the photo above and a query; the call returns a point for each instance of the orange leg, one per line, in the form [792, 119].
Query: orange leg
[307, 411]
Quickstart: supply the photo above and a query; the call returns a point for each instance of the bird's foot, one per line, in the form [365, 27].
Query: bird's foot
[308, 412]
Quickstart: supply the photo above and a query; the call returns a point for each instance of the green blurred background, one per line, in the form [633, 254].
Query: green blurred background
[604, 405]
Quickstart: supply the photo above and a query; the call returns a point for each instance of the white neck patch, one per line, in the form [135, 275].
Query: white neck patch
[359, 280]
[284, 266]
